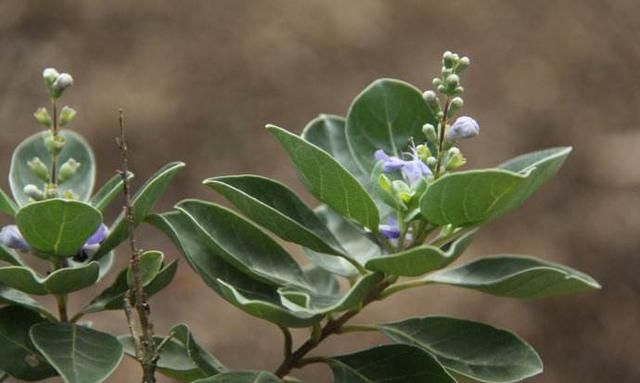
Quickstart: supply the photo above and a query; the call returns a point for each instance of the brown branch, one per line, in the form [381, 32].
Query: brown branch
[146, 351]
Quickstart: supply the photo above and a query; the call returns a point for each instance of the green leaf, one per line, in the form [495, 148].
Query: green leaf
[181, 357]
[357, 245]
[10, 256]
[61, 281]
[18, 356]
[242, 377]
[248, 294]
[475, 350]
[386, 115]
[397, 363]
[328, 132]
[328, 181]
[79, 354]
[56, 226]
[75, 147]
[422, 259]
[516, 277]
[322, 281]
[7, 206]
[112, 298]
[315, 302]
[9, 296]
[108, 192]
[278, 209]
[475, 196]
[150, 265]
[260, 257]
[142, 203]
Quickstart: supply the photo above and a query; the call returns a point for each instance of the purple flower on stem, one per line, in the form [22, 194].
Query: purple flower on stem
[464, 127]
[412, 170]
[391, 229]
[10, 237]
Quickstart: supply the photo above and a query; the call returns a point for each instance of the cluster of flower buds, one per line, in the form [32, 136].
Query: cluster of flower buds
[438, 154]
[55, 83]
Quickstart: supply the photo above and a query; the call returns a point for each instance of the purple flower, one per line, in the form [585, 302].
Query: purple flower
[391, 229]
[464, 127]
[98, 236]
[10, 237]
[412, 170]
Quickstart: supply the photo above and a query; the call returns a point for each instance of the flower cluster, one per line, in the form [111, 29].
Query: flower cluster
[437, 155]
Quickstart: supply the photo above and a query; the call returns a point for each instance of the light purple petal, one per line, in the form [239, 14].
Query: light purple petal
[390, 230]
[464, 127]
[10, 237]
[98, 236]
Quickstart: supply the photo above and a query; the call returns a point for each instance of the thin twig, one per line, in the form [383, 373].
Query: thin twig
[148, 353]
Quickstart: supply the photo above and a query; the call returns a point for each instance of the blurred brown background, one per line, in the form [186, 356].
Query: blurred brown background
[199, 79]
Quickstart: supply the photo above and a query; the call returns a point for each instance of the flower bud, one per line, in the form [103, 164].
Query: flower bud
[39, 168]
[11, 237]
[42, 116]
[458, 91]
[53, 143]
[68, 169]
[431, 161]
[61, 83]
[453, 80]
[51, 191]
[50, 75]
[423, 152]
[463, 64]
[436, 81]
[66, 115]
[464, 127]
[456, 104]
[455, 159]
[33, 192]
[430, 132]
[449, 59]
[385, 183]
[432, 101]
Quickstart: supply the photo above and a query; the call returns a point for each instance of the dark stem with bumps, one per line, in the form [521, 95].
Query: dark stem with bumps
[146, 351]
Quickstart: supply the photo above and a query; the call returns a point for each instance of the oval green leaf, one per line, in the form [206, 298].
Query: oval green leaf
[386, 115]
[397, 363]
[9, 296]
[142, 203]
[474, 350]
[79, 354]
[516, 277]
[58, 227]
[18, 355]
[476, 196]
[328, 132]
[248, 294]
[351, 238]
[422, 259]
[278, 209]
[328, 181]
[150, 264]
[61, 281]
[261, 257]
[75, 147]
[7, 205]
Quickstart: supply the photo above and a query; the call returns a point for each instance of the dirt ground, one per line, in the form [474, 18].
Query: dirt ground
[199, 80]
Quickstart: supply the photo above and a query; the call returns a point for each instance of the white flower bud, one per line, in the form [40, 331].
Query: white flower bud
[33, 192]
[456, 104]
[50, 75]
[61, 83]
[464, 127]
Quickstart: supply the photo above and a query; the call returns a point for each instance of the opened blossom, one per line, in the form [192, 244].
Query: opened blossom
[412, 170]
[391, 229]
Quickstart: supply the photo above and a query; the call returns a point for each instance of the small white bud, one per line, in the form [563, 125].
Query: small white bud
[61, 83]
